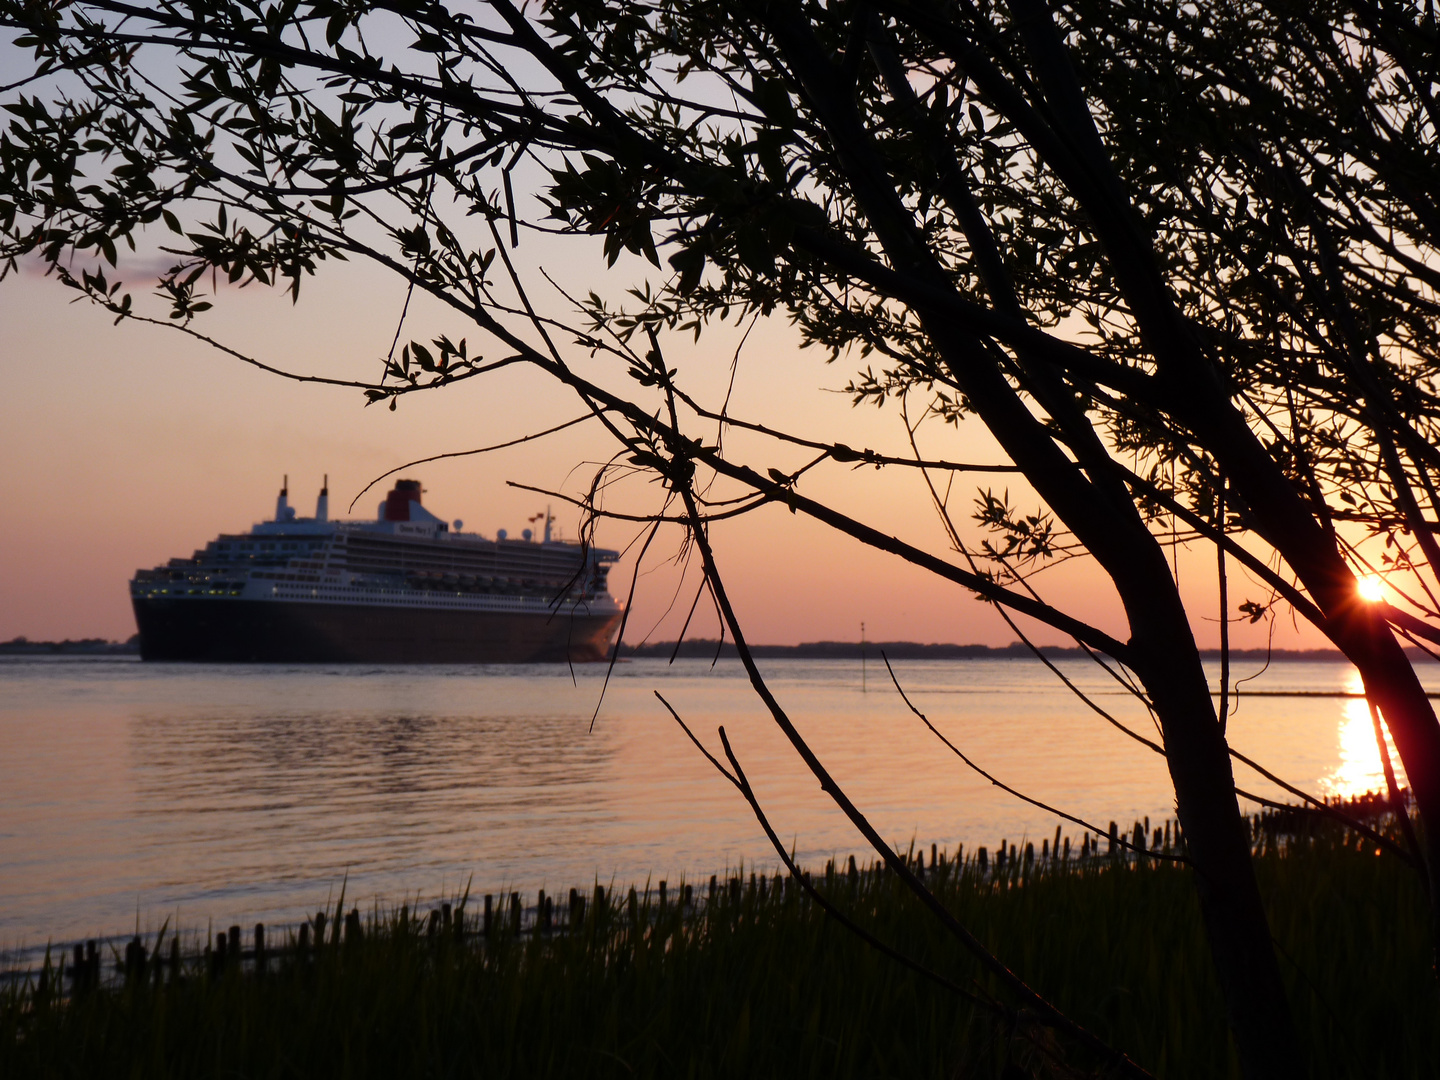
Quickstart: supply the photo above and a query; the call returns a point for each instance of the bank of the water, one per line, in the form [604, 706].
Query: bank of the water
[760, 982]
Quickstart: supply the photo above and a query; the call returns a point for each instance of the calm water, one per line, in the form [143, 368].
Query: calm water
[131, 793]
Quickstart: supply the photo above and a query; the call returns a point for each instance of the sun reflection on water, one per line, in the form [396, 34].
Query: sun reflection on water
[1359, 769]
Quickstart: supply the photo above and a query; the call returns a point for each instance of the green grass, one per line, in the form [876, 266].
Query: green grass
[771, 987]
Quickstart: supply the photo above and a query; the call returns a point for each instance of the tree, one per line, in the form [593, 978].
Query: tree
[1177, 261]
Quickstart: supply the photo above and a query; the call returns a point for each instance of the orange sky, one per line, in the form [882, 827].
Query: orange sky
[124, 446]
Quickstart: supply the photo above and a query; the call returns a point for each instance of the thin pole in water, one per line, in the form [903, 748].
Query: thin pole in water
[863, 688]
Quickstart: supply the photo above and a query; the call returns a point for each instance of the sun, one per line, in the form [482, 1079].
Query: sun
[1371, 588]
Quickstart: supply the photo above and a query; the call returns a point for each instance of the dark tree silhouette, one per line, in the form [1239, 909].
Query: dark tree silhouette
[1178, 260]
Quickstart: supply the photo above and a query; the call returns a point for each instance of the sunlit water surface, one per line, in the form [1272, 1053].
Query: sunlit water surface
[133, 793]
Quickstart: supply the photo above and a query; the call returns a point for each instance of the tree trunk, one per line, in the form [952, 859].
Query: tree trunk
[1217, 840]
[1167, 661]
[1358, 629]
[1089, 498]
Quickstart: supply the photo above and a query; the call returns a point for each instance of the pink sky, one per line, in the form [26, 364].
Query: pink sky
[125, 446]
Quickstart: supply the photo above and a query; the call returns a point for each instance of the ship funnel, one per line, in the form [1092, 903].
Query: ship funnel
[322, 504]
[397, 502]
[282, 504]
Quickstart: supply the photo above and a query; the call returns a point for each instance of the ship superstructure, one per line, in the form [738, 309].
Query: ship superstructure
[404, 587]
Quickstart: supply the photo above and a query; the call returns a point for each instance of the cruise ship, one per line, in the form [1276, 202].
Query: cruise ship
[406, 587]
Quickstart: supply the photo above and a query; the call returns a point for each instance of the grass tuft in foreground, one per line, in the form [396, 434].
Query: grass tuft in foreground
[758, 982]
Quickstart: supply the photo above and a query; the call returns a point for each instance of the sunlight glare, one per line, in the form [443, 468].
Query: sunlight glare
[1371, 588]
[1359, 769]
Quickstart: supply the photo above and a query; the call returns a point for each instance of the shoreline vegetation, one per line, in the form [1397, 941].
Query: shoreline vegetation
[709, 648]
[747, 976]
[22, 646]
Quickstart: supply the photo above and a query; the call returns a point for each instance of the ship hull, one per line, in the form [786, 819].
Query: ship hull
[277, 631]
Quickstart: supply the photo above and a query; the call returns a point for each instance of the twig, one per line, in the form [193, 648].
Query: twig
[742, 784]
[1051, 1015]
[470, 453]
[1006, 787]
[1322, 806]
[1224, 709]
[624, 618]
[1397, 803]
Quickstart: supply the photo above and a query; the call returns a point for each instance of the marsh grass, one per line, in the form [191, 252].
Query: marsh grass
[758, 982]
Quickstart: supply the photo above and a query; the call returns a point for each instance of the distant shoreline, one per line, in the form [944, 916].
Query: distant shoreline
[21, 646]
[705, 648]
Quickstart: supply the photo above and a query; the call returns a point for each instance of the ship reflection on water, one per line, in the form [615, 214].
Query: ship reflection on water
[347, 780]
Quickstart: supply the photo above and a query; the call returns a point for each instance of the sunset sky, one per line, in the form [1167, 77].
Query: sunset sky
[125, 446]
